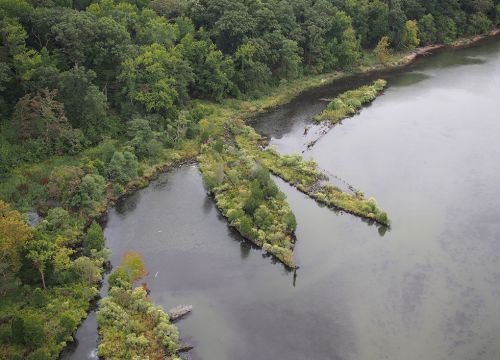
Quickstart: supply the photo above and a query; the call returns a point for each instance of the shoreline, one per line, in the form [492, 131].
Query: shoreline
[277, 98]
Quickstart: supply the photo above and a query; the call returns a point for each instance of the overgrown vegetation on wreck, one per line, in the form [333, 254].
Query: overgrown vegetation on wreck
[249, 198]
[130, 325]
[305, 176]
[350, 102]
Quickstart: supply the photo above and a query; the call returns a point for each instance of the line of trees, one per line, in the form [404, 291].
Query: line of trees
[74, 71]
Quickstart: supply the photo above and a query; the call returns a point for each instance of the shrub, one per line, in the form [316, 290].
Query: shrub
[119, 278]
[118, 190]
[290, 221]
[263, 217]
[123, 167]
[90, 192]
[246, 227]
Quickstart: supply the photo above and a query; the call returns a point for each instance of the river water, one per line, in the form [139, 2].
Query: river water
[429, 288]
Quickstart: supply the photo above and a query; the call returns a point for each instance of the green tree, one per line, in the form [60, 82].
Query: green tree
[410, 35]
[378, 20]
[233, 26]
[14, 233]
[86, 106]
[446, 29]
[252, 73]
[289, 60]
[40, 251]
[157, 79]
[42, 116]
[479, 24]
[396, 20]
[93, 239]
[15, 8]
[212, 70]
[382, 50]
[133, 265]
[348, 50]
[427, 29]
[142, 139]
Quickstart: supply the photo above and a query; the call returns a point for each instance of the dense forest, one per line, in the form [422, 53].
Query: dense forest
[95, 95]
[75, 72]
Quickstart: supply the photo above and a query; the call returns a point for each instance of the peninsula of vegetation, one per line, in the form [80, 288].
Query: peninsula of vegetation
[98, 96]
[350, 102]
[130, 326]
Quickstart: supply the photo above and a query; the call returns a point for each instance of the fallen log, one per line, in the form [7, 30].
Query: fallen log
[179, 312]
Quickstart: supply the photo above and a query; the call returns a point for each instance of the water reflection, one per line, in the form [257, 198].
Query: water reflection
[409, 79]
[128, 204]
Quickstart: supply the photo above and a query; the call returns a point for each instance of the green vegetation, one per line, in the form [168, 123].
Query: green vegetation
[350, 102]
[248, 198]
[45, 289]
[98, 96]
[305, 176]
[130, 325]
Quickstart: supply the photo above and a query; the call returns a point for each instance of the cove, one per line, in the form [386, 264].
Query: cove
[428, 150]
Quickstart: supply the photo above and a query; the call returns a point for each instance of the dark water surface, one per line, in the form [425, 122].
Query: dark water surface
[429, 288]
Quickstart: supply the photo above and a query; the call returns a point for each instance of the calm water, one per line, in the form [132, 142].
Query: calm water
[429, 288]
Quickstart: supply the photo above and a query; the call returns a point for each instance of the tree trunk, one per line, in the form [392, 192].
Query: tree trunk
[43, 279]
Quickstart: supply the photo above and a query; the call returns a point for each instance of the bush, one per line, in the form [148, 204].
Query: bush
[67, 323]
[263, 217]
[57, 220]
[290, 221]
[71, 141]
[119, 278]
[118, 190]
[123, 167]
[90, 193]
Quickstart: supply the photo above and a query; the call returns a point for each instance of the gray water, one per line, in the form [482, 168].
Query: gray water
[429, 288]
